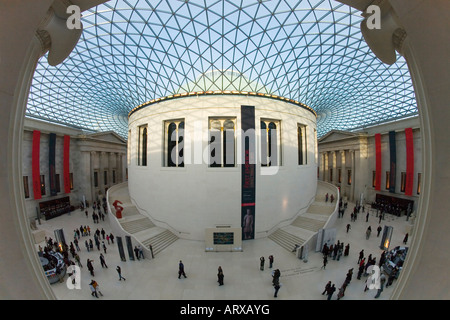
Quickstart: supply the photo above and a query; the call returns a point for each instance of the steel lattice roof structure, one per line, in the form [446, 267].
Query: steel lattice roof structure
[311, 51]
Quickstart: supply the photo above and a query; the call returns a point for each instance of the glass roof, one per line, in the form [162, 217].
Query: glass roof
[311, 51]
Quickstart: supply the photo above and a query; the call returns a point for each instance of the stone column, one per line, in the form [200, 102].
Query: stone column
[334, 166]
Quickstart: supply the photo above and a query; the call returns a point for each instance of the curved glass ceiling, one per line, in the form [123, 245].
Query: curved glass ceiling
[311, 51]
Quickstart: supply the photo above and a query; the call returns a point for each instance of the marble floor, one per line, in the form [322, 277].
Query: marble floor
[157, 279]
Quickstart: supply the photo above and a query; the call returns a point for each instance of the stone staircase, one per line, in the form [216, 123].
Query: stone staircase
[140, 226]
[160, 241]
[286, 240]
[304, 226]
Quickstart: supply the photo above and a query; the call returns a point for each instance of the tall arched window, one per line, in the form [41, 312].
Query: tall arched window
[302, 145]
[270, 143]
[222, 142]
[142, 146]
[228, 143]
[174, 137]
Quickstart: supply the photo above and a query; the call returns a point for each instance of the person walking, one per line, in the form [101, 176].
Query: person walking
[136, 252]
[325, 262]
[405, 239]
[382, 282]
[348, 227]
[96, 287]
[261, 263]
[141, 252]
[379, 230]
[181, 270]
[368, 231]
[276, 286]
[330, 291]
[102, 261]
[78, 260]
[327, 286]
[119, 271]
[90, 266]
[93, 290]
[270, 261]
[361, 256]
[220, 276]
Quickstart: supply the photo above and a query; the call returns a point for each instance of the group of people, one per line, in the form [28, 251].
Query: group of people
[71, 252]
[334, 251]
[262, 261]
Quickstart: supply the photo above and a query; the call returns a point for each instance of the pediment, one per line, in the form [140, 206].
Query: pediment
[108, 136]
[336, 135]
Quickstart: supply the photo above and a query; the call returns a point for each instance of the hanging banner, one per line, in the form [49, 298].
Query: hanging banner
[409, 161]
[120, 247]
[393, 161]
[248, 172]
[52, 163]
[66, 164]
[35, 156]
[378, 161]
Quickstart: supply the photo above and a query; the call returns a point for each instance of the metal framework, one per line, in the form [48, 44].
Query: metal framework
[311, 51]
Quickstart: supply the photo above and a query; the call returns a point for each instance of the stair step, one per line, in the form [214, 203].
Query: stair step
[286, 239]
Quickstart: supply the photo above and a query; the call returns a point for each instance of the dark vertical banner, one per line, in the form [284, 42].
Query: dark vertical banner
[35, 167]
[120, 247]
[248, 165]
[393, 161]
[378, 161]
[52, 163]
[66, 164]
[409, 161]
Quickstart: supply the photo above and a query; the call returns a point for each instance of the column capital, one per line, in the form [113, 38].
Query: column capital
[388, 36]
[54, 34]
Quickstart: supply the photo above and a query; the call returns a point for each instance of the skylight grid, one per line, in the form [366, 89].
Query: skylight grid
[132, 51]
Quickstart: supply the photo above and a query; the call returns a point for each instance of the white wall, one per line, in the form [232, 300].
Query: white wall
[197, 197]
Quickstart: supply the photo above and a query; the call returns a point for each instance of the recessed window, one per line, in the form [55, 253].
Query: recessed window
[349, 177]
[142, 145]
[71, 180]
[174, 143]
[374, 179]
[222, 142]
[42, 184]
[26, 187]
[301, 144]
[270, 143]
[95, 179]
[57, 183]
[388, 179]
[403, 182]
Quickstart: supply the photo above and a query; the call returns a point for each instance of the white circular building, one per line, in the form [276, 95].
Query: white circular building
[228, 158]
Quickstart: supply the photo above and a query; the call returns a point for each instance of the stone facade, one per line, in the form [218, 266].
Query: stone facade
[347, 160]
[97, 161]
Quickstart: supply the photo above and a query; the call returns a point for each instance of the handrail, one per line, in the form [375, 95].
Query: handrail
[159, 221]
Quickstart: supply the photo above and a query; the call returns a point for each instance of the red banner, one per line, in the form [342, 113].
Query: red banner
[409, 161]
[35, 168]
[66, 164]
[378, 161]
